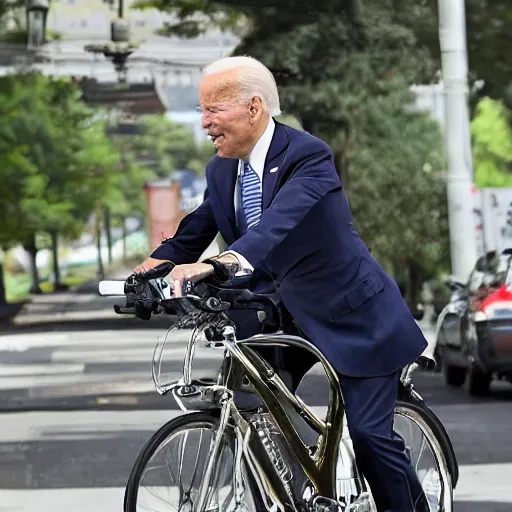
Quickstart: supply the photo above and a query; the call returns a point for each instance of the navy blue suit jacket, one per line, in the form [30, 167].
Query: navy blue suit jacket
[306, 246]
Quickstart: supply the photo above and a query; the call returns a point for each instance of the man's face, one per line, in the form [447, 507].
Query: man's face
[232, 126]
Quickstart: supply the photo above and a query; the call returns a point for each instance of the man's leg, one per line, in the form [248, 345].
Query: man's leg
[379, 451]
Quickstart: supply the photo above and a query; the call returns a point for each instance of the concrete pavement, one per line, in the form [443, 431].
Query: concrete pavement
[82, 303]
[53, 462]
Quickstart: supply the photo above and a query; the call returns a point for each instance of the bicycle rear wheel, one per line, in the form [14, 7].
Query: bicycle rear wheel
[170, 468]
[427, 456]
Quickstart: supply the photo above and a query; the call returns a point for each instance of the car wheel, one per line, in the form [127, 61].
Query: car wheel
[454, 376]
[477, 382]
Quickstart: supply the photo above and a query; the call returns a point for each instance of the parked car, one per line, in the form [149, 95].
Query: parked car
[474, 330]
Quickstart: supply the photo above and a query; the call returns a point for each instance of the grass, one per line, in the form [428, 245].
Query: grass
[17, 285]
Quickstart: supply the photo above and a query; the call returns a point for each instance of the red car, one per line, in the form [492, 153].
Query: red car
[474, 330]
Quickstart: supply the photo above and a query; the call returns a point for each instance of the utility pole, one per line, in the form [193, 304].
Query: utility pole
[452, 36]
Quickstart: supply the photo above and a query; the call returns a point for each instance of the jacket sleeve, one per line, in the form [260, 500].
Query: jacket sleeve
[313, 177]
[195, 233]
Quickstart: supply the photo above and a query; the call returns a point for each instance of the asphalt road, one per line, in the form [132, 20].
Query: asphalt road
[77, 404]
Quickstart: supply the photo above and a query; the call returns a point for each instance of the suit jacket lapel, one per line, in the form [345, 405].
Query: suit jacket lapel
[273, 162]
[225, 180]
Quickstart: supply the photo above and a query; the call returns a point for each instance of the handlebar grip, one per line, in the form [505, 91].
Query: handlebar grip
[111, 288]
[159, 271]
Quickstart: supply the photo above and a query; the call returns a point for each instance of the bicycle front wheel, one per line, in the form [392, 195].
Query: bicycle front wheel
[170, 470]
[426, 455]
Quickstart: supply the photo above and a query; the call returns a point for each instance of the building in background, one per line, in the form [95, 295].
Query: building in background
[78, 23]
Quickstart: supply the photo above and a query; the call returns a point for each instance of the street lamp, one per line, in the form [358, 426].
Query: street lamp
[120, 47]
[37, 11]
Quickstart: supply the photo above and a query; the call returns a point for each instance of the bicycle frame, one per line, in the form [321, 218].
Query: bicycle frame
[319, 469]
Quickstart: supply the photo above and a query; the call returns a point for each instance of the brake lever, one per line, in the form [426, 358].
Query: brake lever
[159, 271]
[120, 310]
[187, 287]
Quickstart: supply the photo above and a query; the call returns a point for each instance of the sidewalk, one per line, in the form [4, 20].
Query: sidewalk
[81, 303]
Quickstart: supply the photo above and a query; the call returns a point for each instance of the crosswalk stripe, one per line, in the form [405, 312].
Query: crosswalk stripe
[110, 499]
[16, 370]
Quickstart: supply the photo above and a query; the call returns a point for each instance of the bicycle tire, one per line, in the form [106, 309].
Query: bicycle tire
[421, 416]
[152, 445]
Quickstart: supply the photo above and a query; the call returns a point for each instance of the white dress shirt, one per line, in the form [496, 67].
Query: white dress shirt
[257, 160]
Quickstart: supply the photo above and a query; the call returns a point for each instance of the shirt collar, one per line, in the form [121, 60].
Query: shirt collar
[259, 153]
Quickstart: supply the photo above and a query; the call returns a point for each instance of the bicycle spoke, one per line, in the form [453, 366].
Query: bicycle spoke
[420, 452]
[196, 461]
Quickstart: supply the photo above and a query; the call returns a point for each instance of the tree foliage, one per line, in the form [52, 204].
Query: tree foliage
[170, 146]
[491, 130]
[8, 6]
[60, 160]
[489, 37]
[398, 189]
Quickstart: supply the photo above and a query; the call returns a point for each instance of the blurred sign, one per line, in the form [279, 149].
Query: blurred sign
[496, 208]
[479, 223]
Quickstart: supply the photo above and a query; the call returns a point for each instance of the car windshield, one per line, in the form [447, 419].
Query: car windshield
[501, 268]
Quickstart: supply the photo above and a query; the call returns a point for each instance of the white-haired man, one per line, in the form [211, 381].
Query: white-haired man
[274, 195]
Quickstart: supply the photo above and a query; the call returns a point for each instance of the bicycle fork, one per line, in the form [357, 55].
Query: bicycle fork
[206, 488]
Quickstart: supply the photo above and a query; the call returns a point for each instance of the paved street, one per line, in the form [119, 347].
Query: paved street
[78, 403]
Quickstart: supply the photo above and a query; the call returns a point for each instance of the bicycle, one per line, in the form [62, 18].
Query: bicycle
[223, 459]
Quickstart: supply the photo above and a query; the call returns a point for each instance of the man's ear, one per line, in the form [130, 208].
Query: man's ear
[255, 108]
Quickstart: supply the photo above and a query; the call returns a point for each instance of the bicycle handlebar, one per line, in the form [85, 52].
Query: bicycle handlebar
[147, 293]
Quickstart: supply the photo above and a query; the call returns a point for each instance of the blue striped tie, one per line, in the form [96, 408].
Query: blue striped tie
[251, 195]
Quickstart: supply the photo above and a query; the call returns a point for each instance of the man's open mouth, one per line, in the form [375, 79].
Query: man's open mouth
[215, 138]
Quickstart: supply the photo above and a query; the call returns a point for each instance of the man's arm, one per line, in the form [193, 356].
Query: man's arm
[313, 178]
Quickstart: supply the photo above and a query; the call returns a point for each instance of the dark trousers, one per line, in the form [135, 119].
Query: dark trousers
[380, 452]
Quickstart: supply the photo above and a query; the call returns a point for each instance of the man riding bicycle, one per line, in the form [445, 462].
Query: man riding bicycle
[274, 195]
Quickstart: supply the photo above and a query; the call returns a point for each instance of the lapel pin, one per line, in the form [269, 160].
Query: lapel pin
[274, 169]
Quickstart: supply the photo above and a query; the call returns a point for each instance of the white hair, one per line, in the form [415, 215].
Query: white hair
[254, 79]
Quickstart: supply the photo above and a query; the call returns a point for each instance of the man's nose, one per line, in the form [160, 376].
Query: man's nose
[206, 120]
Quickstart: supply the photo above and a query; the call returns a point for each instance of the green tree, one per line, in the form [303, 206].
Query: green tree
[67, 147]
[17, 174]
[488, 29]
[8, 7]
[170, 146]
[398, 190]
[491, 130]
[489, 25]
[127, 199]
